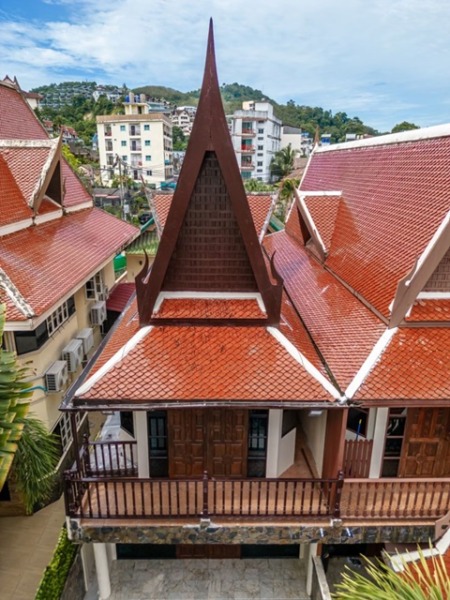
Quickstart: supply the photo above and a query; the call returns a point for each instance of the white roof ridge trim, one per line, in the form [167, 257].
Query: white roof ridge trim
[305, 363]
[373, 357]
[114, 360]
[424, 133]
[15, 296]
[301, 200]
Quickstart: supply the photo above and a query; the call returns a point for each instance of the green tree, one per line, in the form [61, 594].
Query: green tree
[404, 126]
[418, 581]
[286, 195]
[254, 185]
[283, 162]
[179, 139]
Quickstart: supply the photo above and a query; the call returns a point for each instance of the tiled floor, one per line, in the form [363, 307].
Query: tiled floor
[192, 579]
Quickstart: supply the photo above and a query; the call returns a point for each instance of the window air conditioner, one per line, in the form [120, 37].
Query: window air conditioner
[73, 353]
[87, 337]
[98, 313]
[56, 376]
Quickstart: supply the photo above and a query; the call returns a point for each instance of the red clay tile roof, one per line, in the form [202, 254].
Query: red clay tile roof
[120, 295]
[198, 308]
[12, 203]
[198, 364]
[47, 261]
[18, 120]
[415, 365]
[430, 310]
[323, 210]
[343, 329]
[48, 206]
[12, 311]
[260, 207]
[394, 198]
[26, 165]
[76, 193]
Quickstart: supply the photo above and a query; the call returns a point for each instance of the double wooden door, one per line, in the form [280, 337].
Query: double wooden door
[426, 444]
[212, 440]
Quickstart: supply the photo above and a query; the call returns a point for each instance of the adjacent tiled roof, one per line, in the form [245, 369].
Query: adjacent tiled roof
[343, 329]
[46, 262]
[395, 196]
[260, 207]
[48, 206]
[26, 165]
[120, 295]
[18, 119]
[430, 310]
[415, 365]
[323, 210]
[75, 192]
[199, 364]
[12, 203]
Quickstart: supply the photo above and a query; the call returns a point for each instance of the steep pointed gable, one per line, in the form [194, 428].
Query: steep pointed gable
[209, 242]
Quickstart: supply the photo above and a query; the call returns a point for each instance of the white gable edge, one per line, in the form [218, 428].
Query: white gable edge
[114, 360]
[305, 363]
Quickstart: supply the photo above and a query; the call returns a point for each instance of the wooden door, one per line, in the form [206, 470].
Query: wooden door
[186, 429]
[426, 445]
[213, 439]
[227, 442]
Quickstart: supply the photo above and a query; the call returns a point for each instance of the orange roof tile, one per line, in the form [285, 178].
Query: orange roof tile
[260, 207]
[47, 261]
[343, 329]
[12, 203]
[48, 206]
[18, 119]
[323, 210]
[120, 295]
[415, 365]
[198, 308]
[198, 364]
[430, 310]
[26, 165]
[395, 196]
[75, 192]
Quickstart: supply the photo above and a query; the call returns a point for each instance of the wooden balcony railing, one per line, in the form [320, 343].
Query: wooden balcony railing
[111, 459]
[120, 498]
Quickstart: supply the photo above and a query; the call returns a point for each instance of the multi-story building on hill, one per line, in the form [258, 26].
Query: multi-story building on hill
[56, 265]
[138, 144]
[256, 136]
[183, 117]
[283, 395]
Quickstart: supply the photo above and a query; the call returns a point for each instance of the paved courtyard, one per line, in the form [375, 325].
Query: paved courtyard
[191, 579]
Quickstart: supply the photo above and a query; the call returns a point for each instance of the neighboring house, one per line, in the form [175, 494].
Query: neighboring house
[113, 94]
[183, 117]
[141, 140]
[282, 395]
[256, 136]
[69, 135]
[56, 262]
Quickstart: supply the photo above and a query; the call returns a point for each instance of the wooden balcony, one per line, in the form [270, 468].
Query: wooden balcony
[105, 486]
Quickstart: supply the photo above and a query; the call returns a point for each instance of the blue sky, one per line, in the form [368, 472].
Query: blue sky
[382, 60]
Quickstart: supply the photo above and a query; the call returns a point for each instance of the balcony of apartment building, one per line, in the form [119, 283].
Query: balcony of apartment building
[251, 467]
[134, 130]
[246, 163]
[247, 148]
[247, 130]
[135, 146]
[109, 146]
[108, 131]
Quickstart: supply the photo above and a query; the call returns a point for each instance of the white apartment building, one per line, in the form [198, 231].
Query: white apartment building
[140, 139]
[256, 136]
[300, 141]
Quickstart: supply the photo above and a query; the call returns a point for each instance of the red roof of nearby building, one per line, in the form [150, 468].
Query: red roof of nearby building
[18, 120]
[12, 203]
[395, 196]
[120, 296]
[26, 164]
[49, 261]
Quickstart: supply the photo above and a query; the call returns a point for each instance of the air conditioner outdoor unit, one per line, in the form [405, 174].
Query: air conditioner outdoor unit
[56, 376]
[98, 313]
[87, 337]
[73, 353]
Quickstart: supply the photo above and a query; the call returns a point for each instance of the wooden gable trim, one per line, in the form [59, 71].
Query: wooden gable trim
[209, 134]
[46, 177]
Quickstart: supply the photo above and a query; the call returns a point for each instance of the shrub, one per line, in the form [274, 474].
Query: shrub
[55, 575]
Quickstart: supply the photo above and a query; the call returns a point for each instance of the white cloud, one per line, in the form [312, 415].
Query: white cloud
[321, 52]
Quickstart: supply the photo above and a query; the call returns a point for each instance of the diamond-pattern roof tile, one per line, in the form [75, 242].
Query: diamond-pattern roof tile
[323, 210]
[12, 203]
[343, 329]
[18, 119]
[46, 262]
[26, 164]
[211, 308]
[198, 364]
[395, 196]
[415, 365]
[430, 310]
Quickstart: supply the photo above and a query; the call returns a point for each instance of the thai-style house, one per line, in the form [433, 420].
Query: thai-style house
[291, 392]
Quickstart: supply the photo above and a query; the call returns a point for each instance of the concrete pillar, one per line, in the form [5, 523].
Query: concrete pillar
[141, 433]
[102, 569]
[378, 442]
[273, 441]
[312, 551]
